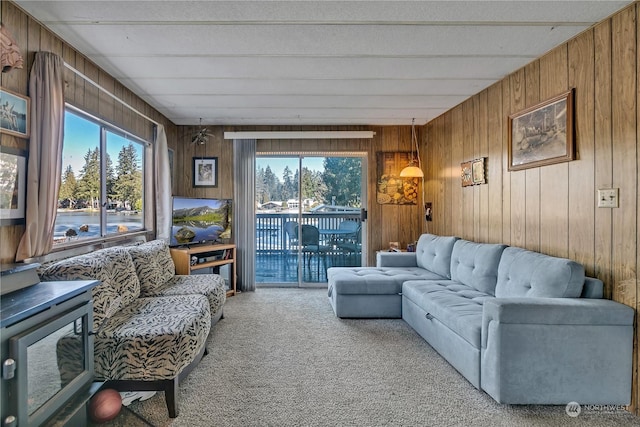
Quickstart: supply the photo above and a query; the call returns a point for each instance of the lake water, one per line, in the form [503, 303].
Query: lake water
[66, 220]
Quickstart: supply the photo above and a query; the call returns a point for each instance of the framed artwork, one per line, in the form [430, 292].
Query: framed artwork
[472, 172]
[14, 113]
[205, 171]
[477, 171]
[391, 189]
[466, 174]
[543, 134]
[13, 180]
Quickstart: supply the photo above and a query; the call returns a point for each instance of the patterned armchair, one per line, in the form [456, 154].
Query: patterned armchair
[157, 274]
[140, 343]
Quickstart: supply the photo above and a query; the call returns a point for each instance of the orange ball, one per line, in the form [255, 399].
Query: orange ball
[105, 405]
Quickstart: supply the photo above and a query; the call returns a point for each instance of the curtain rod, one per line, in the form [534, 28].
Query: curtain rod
[110, 94]
[326, 134]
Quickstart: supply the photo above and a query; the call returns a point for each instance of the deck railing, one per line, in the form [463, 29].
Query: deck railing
[271, 237]
[274, 262]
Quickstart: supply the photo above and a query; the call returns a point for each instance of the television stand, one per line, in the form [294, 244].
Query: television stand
[196, 258]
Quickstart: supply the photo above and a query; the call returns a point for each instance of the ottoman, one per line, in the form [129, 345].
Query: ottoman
[369, 292]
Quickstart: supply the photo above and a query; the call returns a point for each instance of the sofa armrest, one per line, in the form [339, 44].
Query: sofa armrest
[557, 350]
[396, 259]
[555, 311]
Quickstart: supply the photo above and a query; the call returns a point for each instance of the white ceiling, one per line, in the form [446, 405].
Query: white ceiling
[313, 62]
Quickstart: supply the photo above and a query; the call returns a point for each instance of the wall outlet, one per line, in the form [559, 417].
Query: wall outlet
[608, 198]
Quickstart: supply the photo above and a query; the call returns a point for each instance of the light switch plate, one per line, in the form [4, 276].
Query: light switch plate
[608, 198]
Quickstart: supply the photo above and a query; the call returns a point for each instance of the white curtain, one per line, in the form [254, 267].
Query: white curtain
[163, 186]
[244, 223]
[44, 170]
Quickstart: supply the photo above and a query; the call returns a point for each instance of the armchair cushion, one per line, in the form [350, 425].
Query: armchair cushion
[154, 265]
[113, 267]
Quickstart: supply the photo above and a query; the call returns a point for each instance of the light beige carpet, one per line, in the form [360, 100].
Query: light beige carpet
[280, 357]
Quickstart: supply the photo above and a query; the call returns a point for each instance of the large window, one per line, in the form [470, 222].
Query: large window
[102, 189]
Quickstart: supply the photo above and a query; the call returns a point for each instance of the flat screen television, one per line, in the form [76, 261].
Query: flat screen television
[200, 221]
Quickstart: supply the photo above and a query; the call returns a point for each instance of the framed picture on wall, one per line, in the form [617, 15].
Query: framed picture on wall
[14, 113]
[205, 171]
[466, 173]
[477, 171]
[13, 181]
[542, 134]
[391, 188]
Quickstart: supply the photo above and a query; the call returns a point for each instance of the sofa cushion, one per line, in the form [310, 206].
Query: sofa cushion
[113, 267]
[476, 264]
[434, 253]
[152, 338]
[522, 273]
[456, 306]
[154, 265]
[210, 285]
[373, 280]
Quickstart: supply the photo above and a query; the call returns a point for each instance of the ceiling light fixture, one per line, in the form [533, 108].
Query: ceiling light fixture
[413, 171]
[202, 136]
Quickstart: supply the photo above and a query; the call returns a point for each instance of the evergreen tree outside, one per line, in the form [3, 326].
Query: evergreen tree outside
[262, 195]
[313, 186]
[289, 185]
[271, 183]
[68, 189]
[127, 186]
[88, 188]
[342, 177]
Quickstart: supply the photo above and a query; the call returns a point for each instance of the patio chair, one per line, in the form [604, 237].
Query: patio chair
[291, 232]
[310, 243]
[352, 226]
[350, 244]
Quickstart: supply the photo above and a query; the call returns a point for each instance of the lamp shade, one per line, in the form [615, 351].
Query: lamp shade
[411, 171]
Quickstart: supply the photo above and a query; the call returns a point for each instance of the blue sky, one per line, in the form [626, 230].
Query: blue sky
[278, 164]
[81, 135]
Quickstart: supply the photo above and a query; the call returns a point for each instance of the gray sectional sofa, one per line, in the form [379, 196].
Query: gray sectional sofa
[525, 327]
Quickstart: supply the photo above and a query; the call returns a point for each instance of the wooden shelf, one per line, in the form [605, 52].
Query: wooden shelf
[225, 254]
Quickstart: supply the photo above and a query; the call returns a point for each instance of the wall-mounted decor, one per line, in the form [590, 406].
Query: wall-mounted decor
[10, 56]
[477, 171]
[466, 174]
[391, 189]
[543, 134]
[13, 173]
[473, 172]
[14, 113]
[205, 171]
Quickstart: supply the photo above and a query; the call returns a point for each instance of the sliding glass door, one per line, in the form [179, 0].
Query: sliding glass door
[308, 217]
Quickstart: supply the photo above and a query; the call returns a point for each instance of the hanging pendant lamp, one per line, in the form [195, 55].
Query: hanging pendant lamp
[413, 169]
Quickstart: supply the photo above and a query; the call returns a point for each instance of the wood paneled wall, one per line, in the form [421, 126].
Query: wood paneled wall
[552, 209]
[32, 37]
[385, 222]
